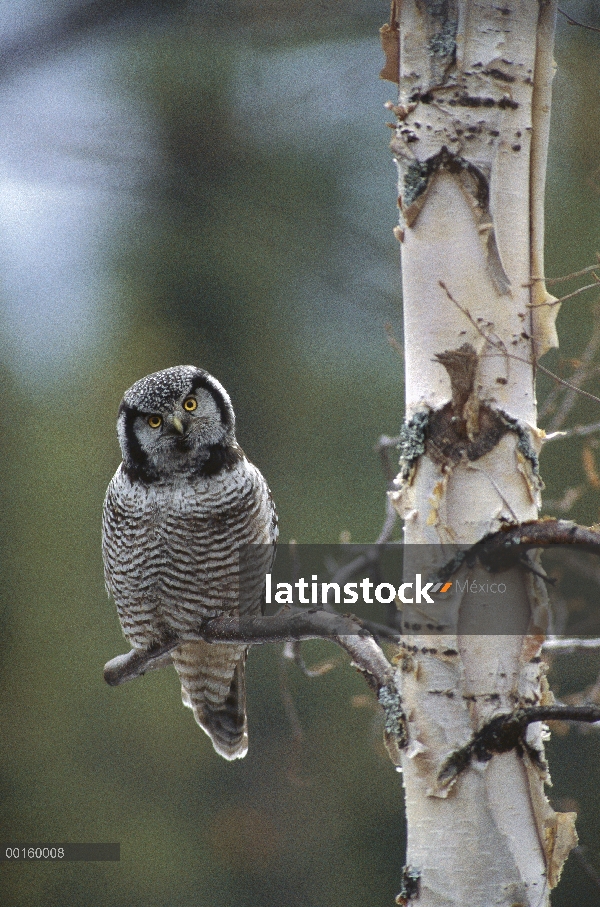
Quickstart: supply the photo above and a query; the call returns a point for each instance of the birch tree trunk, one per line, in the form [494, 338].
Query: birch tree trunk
[471, 143]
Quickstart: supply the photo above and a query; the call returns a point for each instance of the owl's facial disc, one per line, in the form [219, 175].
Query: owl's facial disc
[175, 440]
[170, 421]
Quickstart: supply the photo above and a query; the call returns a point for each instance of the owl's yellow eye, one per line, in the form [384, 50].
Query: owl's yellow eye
[154, 421]
[190, 404]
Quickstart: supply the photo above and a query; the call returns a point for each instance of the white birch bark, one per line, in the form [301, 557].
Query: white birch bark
[471, 142]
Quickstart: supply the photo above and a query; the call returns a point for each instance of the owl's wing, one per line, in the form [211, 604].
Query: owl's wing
[131, 551]
[257, 551]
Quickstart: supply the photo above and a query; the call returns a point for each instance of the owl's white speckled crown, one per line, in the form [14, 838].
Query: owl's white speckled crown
[161, 388]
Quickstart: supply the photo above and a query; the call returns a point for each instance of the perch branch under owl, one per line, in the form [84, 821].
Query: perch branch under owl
[289, 624]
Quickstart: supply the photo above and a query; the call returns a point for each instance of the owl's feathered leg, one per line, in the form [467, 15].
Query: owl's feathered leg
[213, 685]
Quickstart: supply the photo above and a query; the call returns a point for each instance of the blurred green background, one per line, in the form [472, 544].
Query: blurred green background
[211, 183]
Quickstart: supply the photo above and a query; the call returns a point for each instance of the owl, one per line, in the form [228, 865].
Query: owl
[176, 512]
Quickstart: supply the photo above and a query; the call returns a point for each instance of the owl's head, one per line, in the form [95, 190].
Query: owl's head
[176, 421]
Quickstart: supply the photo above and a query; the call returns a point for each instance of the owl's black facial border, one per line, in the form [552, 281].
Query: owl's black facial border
[221, 456]
[136, 463]
[202, 381]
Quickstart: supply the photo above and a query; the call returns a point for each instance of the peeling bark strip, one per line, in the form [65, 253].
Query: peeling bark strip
[470, 145]
[390, 44]
[410, 886]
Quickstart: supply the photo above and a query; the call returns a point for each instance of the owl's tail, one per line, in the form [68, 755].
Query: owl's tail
[213, 685]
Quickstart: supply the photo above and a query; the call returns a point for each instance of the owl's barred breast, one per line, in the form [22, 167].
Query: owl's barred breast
[171, 548]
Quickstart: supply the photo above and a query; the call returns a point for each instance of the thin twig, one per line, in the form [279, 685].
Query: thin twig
[496, 488]
[288, 700]
[292, 651]
[579, 854]
[549, 281]
[579, 377]
[393, 342]
[499, 345]
[553, 302]
[391, 518]
[568, 500]
[578, 431]
[573, 21]
[383, 447]
[573, 387]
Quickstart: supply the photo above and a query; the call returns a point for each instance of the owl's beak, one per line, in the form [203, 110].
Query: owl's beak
[178, 424]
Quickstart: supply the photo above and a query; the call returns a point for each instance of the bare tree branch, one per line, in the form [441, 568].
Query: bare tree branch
[580, 376]
[511, 541]
[573, 21]
[383, 447]
[580, 855]
[288, 624]
[561, 299]
[506, 732]
[549, 281]
[292, 651]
